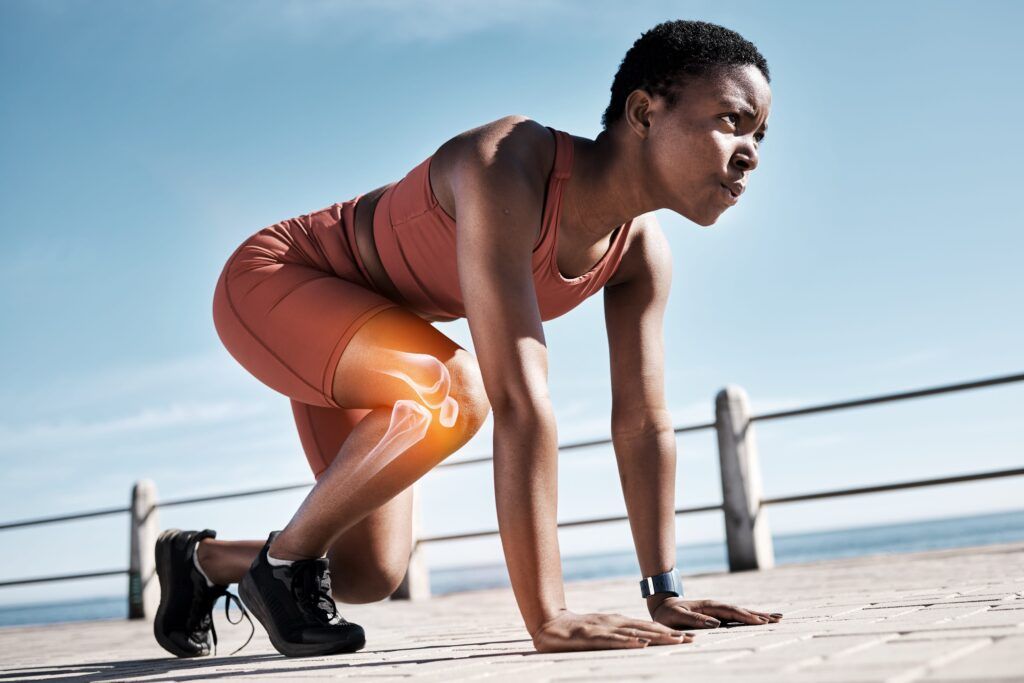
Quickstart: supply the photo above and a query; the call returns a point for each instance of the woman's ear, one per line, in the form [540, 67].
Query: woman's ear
[638, 111]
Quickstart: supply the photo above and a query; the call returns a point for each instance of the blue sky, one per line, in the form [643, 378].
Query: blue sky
[877, 248]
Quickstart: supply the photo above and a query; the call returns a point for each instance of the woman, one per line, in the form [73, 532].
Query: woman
[509, 224]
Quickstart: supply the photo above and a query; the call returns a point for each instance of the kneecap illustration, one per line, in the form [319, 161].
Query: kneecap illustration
[432, 382]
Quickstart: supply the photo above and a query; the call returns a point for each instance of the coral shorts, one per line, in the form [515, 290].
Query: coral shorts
[288, 301]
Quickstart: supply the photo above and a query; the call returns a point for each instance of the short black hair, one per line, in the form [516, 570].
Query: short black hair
[672, 53]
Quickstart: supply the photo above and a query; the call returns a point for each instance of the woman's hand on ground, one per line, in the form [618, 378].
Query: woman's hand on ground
[597, 631]
[678, 613]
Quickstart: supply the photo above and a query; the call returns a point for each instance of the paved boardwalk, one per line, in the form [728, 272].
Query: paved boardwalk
[954, 615]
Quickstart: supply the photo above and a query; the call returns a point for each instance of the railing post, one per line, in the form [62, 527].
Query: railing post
[748, 538]
[416, 584]
[143, 586]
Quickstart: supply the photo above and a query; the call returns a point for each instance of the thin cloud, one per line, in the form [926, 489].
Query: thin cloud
[149, 419]
[909, 360]
[399, 21]
[206, 373]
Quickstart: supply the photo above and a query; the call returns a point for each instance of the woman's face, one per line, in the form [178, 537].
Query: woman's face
[704, 148]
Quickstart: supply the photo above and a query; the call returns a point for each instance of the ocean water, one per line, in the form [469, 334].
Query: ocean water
[937, 534]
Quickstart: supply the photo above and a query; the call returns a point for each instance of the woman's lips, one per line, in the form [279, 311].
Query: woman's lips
[729, 195]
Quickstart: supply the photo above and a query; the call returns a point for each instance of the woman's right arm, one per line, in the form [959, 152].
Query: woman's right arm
[498, 209]
[499, 199]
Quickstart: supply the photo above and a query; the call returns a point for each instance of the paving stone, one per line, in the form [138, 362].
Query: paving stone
[842, 674]
[877, 614]
[901, 651]
[806, 651]
[961, 633]
[989, 617]
[933, 615]
[1002, 658]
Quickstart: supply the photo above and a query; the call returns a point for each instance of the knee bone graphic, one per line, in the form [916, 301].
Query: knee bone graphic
[409, 424]
[429, 379]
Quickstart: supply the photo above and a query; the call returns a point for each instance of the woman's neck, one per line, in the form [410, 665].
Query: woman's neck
[602, 193]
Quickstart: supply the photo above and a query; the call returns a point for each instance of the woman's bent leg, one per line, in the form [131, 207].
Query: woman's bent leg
[369, 560]
[335, 506]
[350, 356]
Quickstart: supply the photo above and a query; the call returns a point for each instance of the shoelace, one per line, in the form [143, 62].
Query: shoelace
[200, 618]
[308, 582]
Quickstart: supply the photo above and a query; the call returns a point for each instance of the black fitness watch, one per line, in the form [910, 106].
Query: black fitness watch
[662, 583]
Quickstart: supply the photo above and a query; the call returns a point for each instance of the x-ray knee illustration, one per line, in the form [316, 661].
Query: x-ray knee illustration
[431, 382]
[409, 424]
[410, 421]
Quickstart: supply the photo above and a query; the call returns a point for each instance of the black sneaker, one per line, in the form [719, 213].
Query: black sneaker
[184, 619]
[294, 604]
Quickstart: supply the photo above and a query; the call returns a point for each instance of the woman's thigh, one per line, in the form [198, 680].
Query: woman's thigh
[329, 343]
[288, 323]
[398, 355]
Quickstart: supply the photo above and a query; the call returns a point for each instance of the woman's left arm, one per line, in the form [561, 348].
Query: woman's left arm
[642, 431]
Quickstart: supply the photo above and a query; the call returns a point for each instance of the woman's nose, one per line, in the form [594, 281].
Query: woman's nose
[746, 157]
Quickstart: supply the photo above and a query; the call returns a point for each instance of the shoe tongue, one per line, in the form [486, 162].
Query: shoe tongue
[317, 565]
[319, 568]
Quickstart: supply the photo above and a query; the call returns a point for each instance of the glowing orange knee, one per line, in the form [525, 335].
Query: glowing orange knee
[432, 382]
[409, 424]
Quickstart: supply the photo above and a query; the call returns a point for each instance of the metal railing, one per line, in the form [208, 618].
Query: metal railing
[748, 539]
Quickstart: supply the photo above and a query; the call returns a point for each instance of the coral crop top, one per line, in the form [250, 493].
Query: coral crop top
[415, 240]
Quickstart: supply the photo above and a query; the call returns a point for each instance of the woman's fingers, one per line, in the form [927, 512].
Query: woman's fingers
[570, 631]
[652, 626]
[684, 618]
[658, 638]
[617, 640]
[658, 634]
[736, 613]
[772, 617]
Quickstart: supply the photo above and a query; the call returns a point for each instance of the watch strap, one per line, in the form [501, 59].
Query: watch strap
[667, 582]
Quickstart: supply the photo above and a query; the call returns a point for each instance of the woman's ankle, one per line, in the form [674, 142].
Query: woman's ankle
[281, 551]
[205, 564]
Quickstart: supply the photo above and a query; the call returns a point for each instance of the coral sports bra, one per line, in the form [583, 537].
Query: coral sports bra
[415, 240]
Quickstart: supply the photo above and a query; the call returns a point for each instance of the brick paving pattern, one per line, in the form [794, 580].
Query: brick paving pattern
[951, 615]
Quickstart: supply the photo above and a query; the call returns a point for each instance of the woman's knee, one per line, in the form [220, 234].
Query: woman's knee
[369, 584]
[467, 388]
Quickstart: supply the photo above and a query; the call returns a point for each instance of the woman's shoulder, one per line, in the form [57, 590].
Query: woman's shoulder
[646, 254]
[513, 138]
[511, 142]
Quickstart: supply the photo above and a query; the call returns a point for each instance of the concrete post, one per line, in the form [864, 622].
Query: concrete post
[143, 585]
[748, 538]
[416, 584]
